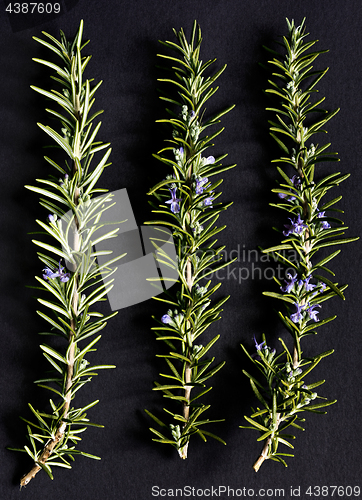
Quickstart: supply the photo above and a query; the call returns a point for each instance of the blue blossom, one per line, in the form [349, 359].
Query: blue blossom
[309, 286]
[49, 274]
[200, 185]
[64, 277]
[296, 181]
[324, 223]
[313, 313]
[174, 202]
[297, 226]
[289, 284]
[207, 161]
[208, 201]
[283, 195]
[59, 273]
[166, 319]
[51, 218]
[258, 346]
[298, 315]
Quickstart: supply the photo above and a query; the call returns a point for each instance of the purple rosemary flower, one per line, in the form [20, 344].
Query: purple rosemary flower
[59, 273]
[324, 223]
[298, 315]
[200, 185]
[297, 226]
[258, 346]
[209, 160]
[51, 218]
[64, 277]
[283, 195]
[174, 202]
[166, 319]
[296, 181]
[309, 286]
[192, 113]
[313, 313]
[208, 201]
[49, 274]
[289, 283]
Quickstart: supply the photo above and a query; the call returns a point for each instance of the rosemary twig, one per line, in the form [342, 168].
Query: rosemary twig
[53, 436]
[191, 213]
[282, 390]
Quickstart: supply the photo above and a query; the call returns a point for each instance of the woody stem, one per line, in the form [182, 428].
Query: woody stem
[58, 436]
[264, 455]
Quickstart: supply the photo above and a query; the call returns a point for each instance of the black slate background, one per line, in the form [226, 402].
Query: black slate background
[124, 46]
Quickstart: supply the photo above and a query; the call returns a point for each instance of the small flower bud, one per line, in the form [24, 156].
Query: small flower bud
[166, 319]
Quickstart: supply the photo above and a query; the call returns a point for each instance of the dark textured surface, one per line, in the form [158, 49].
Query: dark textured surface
[124, 46]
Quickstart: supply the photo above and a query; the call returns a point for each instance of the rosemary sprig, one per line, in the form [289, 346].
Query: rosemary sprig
[282, 391]
[191, 213]
[74, 217]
